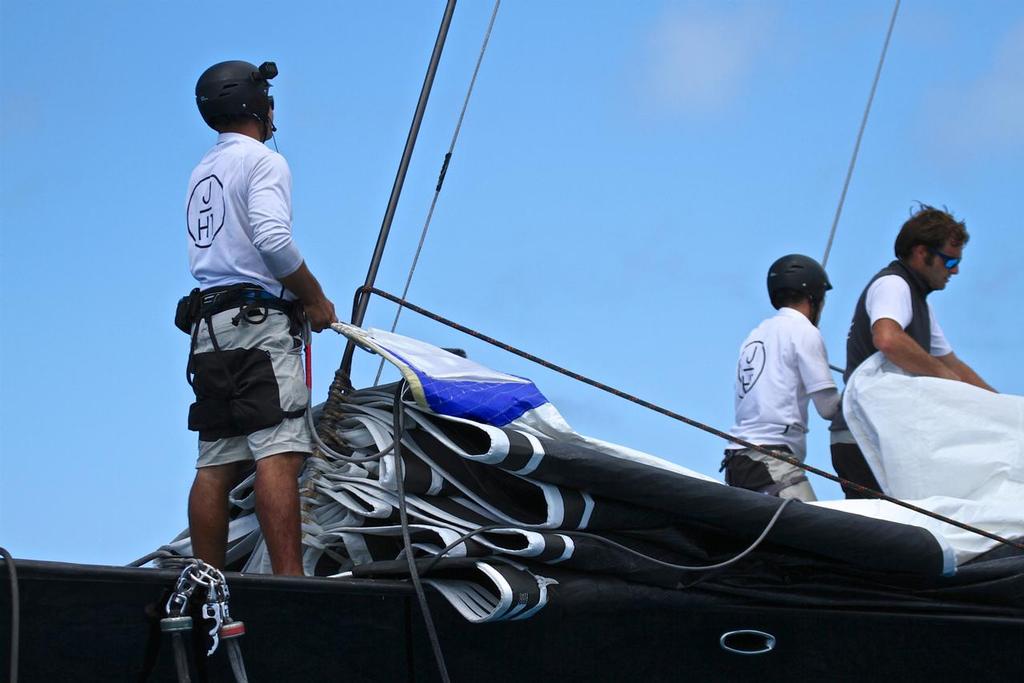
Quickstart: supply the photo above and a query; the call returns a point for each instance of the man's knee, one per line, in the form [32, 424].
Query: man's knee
[279, 472]
[281, 463]
[219, 477]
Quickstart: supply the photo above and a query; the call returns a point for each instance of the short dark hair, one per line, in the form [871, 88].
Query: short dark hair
[225, 124]
[788, 297]
[931, 227]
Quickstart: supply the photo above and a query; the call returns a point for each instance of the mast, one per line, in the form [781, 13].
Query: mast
[359, 310]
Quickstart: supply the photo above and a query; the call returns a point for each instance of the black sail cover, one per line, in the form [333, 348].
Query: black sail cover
[574, 522]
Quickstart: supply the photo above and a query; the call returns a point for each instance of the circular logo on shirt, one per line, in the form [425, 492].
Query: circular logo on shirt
[206, 211]
[750, 367]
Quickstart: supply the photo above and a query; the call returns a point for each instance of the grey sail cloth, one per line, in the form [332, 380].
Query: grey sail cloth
[460, 476]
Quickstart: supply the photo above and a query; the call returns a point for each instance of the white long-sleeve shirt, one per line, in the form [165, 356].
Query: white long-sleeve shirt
[239, 216]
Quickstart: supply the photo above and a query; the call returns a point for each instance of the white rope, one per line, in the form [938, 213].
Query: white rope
[860, 135]
[444, 170]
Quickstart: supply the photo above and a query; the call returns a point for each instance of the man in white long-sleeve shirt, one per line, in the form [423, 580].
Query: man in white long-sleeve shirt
[245, 363]
[783, 366]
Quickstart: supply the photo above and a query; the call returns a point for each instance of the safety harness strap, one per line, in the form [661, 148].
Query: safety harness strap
[236, 393]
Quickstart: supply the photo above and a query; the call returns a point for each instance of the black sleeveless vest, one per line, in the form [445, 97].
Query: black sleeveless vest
[859, 343]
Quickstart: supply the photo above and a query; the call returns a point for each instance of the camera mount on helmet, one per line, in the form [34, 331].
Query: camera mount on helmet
[268, 70]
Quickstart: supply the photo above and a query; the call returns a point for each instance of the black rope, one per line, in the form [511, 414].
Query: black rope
[12, 572]
[682, 418]
[428, 619]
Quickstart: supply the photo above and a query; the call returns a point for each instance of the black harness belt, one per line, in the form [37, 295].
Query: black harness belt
[245, 297]
[236, 389]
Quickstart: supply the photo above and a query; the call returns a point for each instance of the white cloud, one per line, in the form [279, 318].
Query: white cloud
[985, 114]
[698, 60]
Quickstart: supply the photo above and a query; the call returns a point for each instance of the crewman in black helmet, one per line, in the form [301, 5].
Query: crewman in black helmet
[783, 366]
[246, 319]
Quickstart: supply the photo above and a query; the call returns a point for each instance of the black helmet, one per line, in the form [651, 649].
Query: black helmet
[232, 89]
[798, 273]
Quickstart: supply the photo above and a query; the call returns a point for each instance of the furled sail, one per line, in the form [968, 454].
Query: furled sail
[531, 512]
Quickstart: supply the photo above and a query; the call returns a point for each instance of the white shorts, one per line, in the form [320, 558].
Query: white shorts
[291, 435]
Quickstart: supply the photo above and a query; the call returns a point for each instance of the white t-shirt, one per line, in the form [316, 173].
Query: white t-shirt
[782, 361]
[239, 214]
[889, 297]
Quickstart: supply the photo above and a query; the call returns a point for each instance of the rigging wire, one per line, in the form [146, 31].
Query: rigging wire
[441, 175]
[860, 135]
[689, 421]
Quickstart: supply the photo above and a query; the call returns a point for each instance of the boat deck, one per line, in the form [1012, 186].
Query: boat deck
[85, 623]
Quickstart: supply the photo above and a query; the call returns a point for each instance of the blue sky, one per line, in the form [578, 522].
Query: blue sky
[625, 175]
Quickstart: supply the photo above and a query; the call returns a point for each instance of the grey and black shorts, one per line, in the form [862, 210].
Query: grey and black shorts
[251, 393]
[749, 469]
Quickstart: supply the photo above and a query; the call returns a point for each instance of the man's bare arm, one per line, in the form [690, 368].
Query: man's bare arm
[964, 371]
[901, 349]
[319, 309]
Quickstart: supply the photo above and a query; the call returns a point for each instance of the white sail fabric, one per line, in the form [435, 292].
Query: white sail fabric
[946, 446]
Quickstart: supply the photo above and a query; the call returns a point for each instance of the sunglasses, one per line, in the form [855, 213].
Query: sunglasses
[950, 262]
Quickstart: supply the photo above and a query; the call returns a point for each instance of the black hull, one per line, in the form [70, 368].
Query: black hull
[90, 623]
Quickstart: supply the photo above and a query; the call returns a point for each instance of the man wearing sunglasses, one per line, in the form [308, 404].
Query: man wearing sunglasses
[894, 317]
[245, 320]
